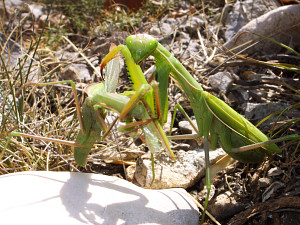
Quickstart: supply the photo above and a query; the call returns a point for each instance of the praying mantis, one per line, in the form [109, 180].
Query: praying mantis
[217, 122]
[215, 119]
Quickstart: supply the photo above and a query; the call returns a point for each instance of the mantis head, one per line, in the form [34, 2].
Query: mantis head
[141, 46]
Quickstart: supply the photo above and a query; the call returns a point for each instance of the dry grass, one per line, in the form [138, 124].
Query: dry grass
[44, 111]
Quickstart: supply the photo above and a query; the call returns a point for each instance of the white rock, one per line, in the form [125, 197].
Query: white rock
[36, 10]
[264, 182]
[11, 3]
[42, 197]
[185, 172]
[276, 171]
[164, 29]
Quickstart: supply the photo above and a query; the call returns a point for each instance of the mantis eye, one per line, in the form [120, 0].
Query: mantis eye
[141, 46]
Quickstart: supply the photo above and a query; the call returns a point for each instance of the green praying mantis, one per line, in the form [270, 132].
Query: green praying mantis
[146, 107]
[217, 122]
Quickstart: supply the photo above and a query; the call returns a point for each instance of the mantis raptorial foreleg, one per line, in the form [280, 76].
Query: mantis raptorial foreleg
[144, 93]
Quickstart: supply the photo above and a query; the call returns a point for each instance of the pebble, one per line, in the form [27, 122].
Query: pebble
[276, 171]
[224, 206]
[221, 81]
[264, 182]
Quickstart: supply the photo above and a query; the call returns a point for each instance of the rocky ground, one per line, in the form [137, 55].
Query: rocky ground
[262, 80]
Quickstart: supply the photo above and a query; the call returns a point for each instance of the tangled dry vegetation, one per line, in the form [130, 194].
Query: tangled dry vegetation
[49, 111]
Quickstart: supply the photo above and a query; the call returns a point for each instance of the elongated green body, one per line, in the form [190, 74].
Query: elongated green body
[214, 117]
[91, 119]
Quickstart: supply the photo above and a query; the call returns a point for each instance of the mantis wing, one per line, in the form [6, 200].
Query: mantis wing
[112, 75]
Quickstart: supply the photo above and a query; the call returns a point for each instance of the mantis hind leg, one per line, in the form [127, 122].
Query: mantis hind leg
[293, 137]
[207, 177]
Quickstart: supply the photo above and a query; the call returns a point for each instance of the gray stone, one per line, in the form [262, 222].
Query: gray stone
[276, 171]
[164, 28]
[82, 198]
[221, 81]
[36, 10]
[11, 3]
[12, 51]
[271, 190]
[191, 24]
[258, 111]
[14, 55]
[67, 54]
[186, 127]
[224, 206]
